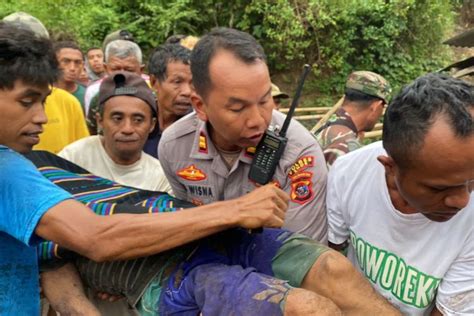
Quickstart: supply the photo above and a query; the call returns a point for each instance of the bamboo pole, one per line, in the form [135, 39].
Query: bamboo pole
[308, 117]
[328, 114]
[373, 134]
[323, 112]
[378, 126]
[322, 109]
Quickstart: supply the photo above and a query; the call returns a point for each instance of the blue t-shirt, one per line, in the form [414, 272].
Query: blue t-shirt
[25, 195]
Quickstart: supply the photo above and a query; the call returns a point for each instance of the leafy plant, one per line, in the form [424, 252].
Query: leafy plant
[400, 39]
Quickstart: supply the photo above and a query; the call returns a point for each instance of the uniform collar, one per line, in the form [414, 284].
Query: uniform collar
[345, 116]
[203, 148]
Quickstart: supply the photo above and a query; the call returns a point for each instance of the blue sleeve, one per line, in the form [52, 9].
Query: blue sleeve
[25, 195]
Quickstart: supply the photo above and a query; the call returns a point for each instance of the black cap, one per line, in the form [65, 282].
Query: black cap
[126, 83]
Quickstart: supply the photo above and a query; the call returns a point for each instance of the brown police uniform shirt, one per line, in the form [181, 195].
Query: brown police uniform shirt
[198, 173]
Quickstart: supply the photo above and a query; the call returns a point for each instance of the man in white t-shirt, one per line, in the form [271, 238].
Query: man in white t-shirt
[127, 114]
[404, 208]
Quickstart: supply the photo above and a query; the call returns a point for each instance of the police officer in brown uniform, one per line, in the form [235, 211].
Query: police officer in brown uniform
[207, 155]
[365, 97]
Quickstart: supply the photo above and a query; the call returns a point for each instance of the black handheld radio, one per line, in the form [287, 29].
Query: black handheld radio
[272, 145]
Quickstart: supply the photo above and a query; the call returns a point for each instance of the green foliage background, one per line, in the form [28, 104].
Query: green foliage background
[400, 39]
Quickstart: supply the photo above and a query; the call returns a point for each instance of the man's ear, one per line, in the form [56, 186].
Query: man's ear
[153, 81]
[142, 67]
[388, 163]
[375, 105]
[155, 85]
[153, 124]
[199, 106]
[99, 120]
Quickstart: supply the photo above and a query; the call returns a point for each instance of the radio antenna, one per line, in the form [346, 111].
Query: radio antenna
[294, 102]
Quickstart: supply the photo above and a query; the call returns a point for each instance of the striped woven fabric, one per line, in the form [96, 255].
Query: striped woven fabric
[102, 196]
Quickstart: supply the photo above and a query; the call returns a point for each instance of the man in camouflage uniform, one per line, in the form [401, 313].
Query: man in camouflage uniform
[365, 97]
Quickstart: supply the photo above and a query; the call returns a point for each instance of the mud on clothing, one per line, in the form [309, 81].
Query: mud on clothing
[236, 273]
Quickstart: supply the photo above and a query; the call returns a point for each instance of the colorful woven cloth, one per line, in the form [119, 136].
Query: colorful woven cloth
[102, 196]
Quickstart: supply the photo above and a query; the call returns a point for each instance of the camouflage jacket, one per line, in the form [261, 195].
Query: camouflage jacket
[91, 119]
[338, 136]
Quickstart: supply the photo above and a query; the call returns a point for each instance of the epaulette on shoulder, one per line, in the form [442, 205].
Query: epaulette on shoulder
[185, 126]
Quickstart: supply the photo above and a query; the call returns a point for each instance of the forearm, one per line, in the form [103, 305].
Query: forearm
[159, 232]
[63, 289]
[125, 236]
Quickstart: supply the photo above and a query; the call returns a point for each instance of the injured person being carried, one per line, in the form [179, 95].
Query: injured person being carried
[229, 272]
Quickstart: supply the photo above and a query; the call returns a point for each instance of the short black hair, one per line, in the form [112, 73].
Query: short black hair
[175, 39]
[93, 48]
[361, 100]
[25, 57]
[241, 44]
[413, 111]
[66, 44]
[163, 55]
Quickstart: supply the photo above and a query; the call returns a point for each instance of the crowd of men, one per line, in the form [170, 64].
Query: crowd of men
[383, 229]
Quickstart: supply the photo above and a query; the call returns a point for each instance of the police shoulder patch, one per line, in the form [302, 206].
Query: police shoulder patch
[300, 165]
[302, 187]
[192, 173]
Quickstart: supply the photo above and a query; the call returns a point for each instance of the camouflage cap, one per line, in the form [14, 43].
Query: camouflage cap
[27, 22]
[276, 92]
[369, 83]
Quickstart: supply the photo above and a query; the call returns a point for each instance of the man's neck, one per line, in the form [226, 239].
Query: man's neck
[358, 117]
[220, 144]
[69, 86]
[397, 200]
[122, 161]
[165, 119]
[100, 74]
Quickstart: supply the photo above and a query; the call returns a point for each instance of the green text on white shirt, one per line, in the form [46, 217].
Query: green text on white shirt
[406, 283]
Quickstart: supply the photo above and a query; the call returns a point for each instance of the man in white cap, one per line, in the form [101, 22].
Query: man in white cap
[278, 96]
